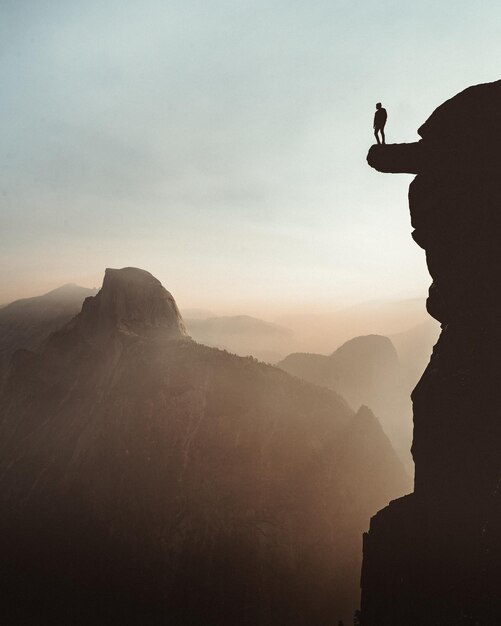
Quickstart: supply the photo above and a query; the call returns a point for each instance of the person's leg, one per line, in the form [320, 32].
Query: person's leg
[376, 135]
[382, 135]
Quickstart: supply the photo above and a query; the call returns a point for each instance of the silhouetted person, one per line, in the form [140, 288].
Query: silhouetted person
[380, 117]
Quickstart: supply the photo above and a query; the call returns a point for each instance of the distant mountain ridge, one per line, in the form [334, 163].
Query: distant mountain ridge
[27, 322]
[322, 332]
[243, 335]
[366, 371]
[414, 348]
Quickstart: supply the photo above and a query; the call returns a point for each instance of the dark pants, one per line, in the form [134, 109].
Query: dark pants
[376, 131]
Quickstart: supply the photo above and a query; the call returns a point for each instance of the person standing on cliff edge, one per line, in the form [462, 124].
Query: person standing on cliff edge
[380, 117]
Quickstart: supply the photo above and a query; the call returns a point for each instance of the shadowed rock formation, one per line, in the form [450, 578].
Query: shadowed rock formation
[434, 557]
[146, 479]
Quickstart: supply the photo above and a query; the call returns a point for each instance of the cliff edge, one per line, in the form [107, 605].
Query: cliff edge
[434, 556]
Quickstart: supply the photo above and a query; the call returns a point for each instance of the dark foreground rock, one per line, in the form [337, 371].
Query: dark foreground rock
[434, 557]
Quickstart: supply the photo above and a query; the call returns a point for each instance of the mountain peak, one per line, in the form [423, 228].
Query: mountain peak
[131, 301]
[369, 348]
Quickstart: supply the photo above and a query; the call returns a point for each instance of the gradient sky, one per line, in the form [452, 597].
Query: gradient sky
[221, 144]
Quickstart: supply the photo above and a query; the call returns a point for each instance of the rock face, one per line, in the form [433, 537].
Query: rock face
[147, 479]
[132, 302]
[434, 557]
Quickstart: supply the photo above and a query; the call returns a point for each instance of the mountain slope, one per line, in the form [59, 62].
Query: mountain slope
[26, 323]
[149, 479]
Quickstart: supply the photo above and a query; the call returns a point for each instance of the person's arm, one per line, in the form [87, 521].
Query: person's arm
[375, 116]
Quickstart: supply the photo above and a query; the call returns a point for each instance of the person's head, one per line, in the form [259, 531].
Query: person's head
[378, 105]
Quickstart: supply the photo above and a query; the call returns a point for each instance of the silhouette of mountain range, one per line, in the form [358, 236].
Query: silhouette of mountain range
[243, 335]
[148, 479]
[365, 371]
[323, 332]
[26, 323]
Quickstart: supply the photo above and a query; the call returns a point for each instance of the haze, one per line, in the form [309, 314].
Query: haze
[222, 145]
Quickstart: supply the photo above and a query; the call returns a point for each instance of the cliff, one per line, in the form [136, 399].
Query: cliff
[428, 558]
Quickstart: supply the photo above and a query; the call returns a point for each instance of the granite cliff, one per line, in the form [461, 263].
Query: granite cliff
[434, 557]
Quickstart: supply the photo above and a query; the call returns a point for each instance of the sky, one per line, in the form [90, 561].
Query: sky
[221, 144]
